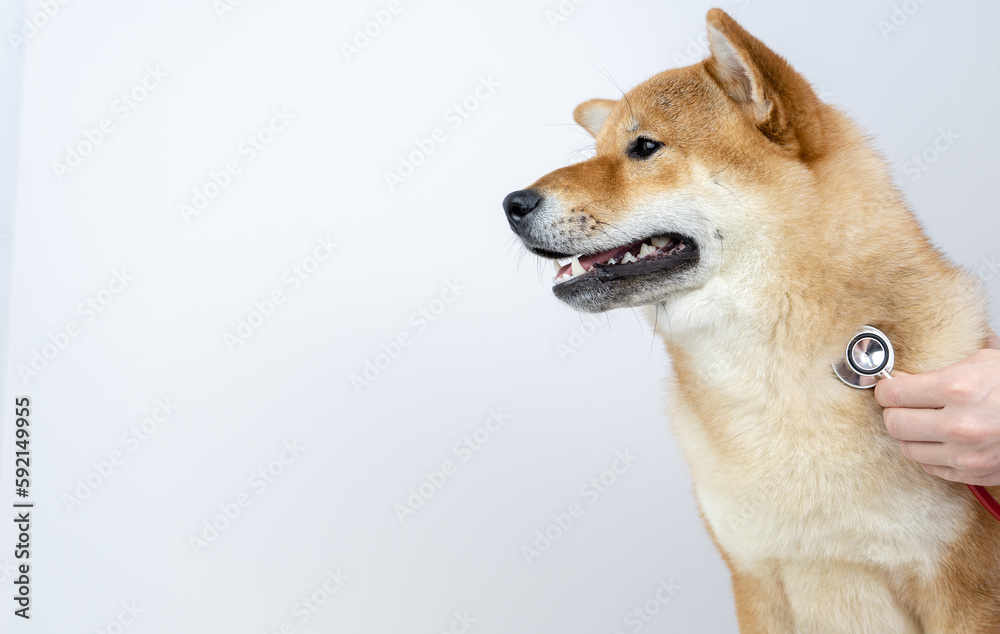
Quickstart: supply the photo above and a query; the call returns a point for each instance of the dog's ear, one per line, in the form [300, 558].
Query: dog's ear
[591, 114]
[776, 97]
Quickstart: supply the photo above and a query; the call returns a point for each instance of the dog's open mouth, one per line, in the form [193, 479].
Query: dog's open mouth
[659, 253]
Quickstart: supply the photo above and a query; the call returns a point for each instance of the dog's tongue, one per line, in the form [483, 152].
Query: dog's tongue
[588, 261]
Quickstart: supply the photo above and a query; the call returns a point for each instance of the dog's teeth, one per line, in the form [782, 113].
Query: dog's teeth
[555, 265]
[645, 250]
[629, 258]
[612, 261]
[660, 242]
[563, 261]
[577, 267]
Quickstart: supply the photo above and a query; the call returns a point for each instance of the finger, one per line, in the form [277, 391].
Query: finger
[927, 453]
[945, 473]
[911, 390]
[914, 425]
[955, 475]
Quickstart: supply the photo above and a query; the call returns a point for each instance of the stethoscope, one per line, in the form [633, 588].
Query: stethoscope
[868, 359]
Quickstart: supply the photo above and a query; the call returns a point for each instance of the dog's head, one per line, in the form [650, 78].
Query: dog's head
[684, 165]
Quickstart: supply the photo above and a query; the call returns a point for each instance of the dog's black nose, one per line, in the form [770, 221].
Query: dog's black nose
[519, 204]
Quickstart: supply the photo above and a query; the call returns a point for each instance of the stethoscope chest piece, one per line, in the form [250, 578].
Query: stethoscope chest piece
[868, 358]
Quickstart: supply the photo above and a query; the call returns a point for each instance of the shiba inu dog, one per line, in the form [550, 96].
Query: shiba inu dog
[760, 230]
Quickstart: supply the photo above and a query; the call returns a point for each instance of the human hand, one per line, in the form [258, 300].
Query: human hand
[949, 420]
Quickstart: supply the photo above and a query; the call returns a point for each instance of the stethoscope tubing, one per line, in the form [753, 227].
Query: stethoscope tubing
[986, 499]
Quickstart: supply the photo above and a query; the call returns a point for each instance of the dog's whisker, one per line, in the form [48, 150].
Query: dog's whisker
[652, 338]
[585, 149]
[617, 85]
[511, 243]
[612, 225]
[520, 257]
[731, 193]
[573, 126]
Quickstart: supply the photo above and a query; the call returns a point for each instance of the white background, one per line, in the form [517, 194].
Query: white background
[495, 346]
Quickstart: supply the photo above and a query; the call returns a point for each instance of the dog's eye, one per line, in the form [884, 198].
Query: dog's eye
[643, 147]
